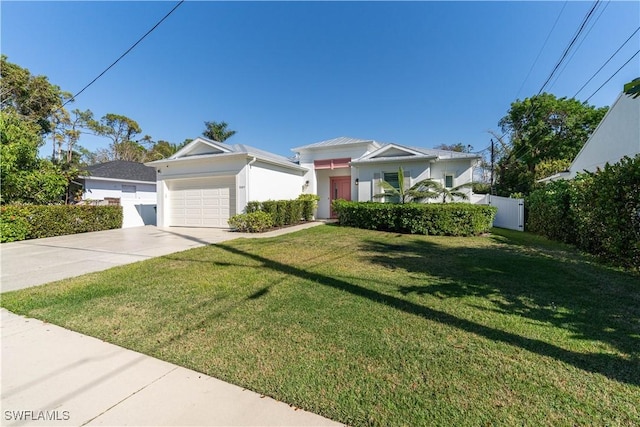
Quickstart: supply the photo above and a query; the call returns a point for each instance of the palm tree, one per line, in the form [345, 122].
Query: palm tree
[417, 192]
[437, 190]
[217, 131]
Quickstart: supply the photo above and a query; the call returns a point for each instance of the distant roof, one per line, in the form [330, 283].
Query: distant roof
[343, 140]
[445, 154]
[122, 169]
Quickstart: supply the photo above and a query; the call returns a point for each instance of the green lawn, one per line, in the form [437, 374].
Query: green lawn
[372, 328]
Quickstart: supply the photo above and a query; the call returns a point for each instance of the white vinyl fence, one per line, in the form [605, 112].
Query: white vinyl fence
[510, 211]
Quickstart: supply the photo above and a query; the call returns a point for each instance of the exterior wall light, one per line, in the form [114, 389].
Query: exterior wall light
[357, 181]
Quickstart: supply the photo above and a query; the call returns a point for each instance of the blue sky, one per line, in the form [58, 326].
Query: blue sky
[285, 74]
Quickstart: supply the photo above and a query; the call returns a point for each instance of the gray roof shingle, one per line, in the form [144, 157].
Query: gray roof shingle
[122, 169]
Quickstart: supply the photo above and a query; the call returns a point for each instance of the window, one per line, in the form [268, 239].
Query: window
[392, 179]
[448, 181]
[128, 191]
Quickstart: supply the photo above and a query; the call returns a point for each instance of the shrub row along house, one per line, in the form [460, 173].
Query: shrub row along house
[207, 182]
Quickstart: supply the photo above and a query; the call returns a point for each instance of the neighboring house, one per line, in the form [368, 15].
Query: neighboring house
[206, 182]
[133, 183]
[616, 136]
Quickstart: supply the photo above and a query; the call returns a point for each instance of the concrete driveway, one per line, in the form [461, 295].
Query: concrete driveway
[35, 262]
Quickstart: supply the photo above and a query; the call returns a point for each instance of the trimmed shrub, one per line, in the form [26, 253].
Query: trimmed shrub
[549, 211]
[253, 207]
[21, 222]
[253, 222]
[285, 212]
[309, 205]
[598, 212]
[448, 219]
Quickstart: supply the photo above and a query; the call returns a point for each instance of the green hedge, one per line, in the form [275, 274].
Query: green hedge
[282, 212]
[21, 222]
[447, 219]
[597, 212]
[252, 222]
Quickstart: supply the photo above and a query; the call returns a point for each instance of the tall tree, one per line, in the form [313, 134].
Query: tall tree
[121, 130]
[29, 106]
[546, 129]
[33, 98]
[217, 131]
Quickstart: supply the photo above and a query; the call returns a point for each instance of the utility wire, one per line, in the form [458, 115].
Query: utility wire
[607, 61]
[570, 45]
[607, 81]
[553, 72]
[123, 55]
[555, 80]
[519, 154]
[541, 49]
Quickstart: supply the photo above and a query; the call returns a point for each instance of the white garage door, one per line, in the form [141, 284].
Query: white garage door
[201, 202]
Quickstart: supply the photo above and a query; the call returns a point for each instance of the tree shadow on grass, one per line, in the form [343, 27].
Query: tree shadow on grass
[611, 366]
[542, 284]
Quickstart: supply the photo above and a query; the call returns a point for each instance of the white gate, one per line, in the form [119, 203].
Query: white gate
[510, 211]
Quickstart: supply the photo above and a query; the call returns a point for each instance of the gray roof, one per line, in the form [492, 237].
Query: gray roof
[343, 140]
[265, 155]
[121, 169]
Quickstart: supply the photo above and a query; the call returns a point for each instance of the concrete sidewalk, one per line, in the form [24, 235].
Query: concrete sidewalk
[55, 377]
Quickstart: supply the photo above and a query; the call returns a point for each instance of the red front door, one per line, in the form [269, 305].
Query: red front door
[340, 188]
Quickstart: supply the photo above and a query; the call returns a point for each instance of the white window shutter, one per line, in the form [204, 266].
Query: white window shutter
[407, 179]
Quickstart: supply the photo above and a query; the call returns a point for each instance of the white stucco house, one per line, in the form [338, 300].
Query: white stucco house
[133, 183]
[616, 136]
[206, 182]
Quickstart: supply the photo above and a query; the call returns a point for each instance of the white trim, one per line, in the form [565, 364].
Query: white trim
[99, 178]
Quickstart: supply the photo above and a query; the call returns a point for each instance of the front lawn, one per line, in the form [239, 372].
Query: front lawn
[372, 328]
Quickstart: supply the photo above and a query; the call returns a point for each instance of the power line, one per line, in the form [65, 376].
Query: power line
[580, 44]
[607, 61]
[124, 54]
[617, 71]
[542, 48]
[570, 45]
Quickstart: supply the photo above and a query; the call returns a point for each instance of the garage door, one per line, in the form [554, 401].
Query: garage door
[201, 202]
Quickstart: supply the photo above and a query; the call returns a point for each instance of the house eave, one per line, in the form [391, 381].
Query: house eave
[250, 155]
[306, 148]
[398, 159]
[100, 178]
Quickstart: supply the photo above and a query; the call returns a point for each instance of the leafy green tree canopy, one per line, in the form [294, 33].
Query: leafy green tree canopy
[217, 131]
[33, 98]
[542, 128]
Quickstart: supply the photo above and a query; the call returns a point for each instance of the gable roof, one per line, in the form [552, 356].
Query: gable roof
[343, 140]
[121, 169]
[206, 148]
[397, 153]
[617, 135]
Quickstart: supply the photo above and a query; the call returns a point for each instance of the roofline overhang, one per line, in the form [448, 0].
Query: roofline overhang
[249, 155]
[557, 176]
[100, 178]
[398, 159]
[328, 147]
